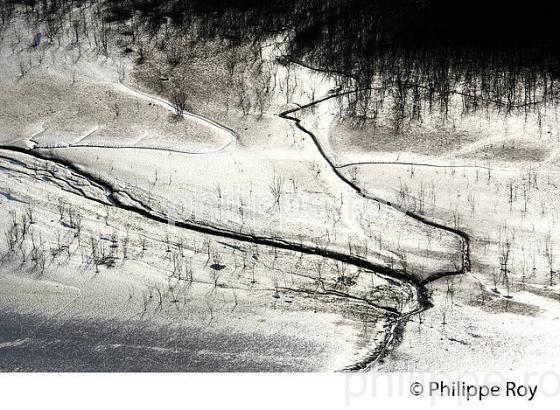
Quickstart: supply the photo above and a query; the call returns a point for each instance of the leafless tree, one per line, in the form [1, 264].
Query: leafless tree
[504, 264]
[30, 215]
[276, 189]
[549, 255]
[179, 104]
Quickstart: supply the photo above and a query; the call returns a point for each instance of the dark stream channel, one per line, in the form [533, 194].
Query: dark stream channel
[419, 53]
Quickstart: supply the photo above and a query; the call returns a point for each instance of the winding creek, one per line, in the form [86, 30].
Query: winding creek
[420, 302]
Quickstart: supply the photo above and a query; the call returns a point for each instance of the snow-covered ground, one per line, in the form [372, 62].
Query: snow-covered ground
[96, 276]
[494, 177]
[87, 286]
[227, 238]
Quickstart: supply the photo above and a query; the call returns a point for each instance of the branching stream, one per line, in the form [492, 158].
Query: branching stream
[421, 302]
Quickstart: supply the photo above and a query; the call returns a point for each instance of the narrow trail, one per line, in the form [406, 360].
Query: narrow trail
[131, 147]
[230, 135]
[413, 164]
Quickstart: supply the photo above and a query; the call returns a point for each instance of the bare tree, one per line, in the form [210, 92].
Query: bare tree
[180, 104]
[548, 253]
[276, 189]
[504, 264]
